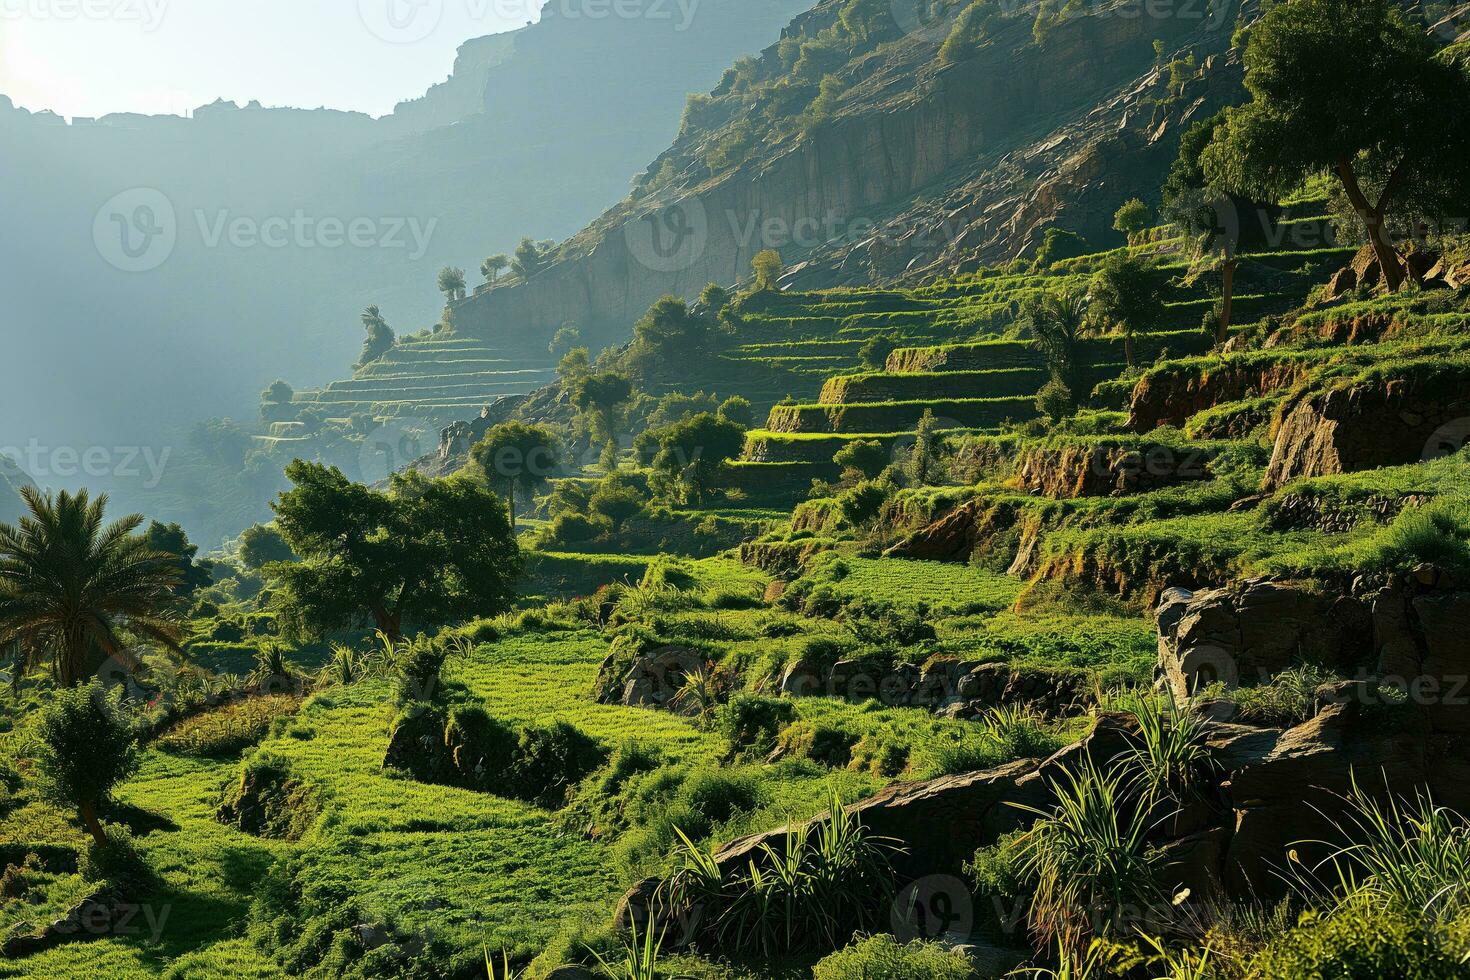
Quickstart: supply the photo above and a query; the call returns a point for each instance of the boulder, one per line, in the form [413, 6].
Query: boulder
[657, 677]
[1344, 281]
[1251, 632]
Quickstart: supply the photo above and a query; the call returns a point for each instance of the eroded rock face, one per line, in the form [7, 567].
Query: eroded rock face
[1172, 397]
[1251, 632]
[1367, 425]
[655, 680]
[1097, 471]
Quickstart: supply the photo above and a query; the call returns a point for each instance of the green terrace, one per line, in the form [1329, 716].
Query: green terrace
[445, 378]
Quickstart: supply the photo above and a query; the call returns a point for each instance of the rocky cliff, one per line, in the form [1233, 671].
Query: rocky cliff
[920, 167]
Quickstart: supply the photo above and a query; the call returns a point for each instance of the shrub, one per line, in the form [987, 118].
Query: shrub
[828, 880]
[829, 745]
[862, 504]
[715, 797]
[570, 528]
[881, 754]
[1087, 856]
[884, 958]
[1359, 942]
[1171, 755]
[750, 724]
[1290, 697]
[550, 759]
[1020, 732]
[117, 863]
[268, 799]
[482, 750]
[420, 661]
[84, 747]
[1055, 400]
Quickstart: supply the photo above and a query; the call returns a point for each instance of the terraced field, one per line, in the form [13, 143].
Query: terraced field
[438, 379]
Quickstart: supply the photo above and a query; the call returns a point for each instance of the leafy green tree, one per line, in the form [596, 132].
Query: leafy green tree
[1055, 400]
[492, 267]
[573, 365]
[1058, 244]
[1131, 219]
[1125, 292]
[276, 403]
[516, 456]
[1059, 322]
[1354, 88]
[600, 396]
[737, 409]
[874, 352]
[618, 504]
[529, 259]
[862, 504]
[714, 298]
[171, 539]
[694, 452]
[1207, 216]
[768, 269]
[866, 456]
[379, 340]
[451, 283]
[564, 340]
[425, 551]
[261, 544]
[670, 328]
[84, 747]
[969, 31]
[70, 586]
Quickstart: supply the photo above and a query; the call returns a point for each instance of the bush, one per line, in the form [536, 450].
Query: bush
[550, 759]
[118, 863]
[482, 750]
[569, 528]
[1055, 400]
[716, 797]
[268, 799]
[750, 724]
[1359, 942]
[84, 747]
[829, 745]
[883, 958]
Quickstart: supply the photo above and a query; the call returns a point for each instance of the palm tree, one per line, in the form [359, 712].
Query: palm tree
[69, 585]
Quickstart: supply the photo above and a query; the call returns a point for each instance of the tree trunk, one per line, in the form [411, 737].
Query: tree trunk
[1227, 299]
[93, 825]
[1388, 258]
[510, 505]
[389, 624]
[1128, 351]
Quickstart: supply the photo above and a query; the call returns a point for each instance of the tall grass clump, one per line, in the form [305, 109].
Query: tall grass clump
[1171, 755]
[1087, 857]
[825, 882]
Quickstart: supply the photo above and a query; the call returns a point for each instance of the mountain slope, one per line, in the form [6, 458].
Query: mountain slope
[971, 157]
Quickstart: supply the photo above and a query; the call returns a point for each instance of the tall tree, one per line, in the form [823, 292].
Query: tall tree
[1351, 87]
[451, 283]
[426, 551]
[516, 456]
[379, 340]
[492, 267]
[599, 396]
[72, 586]
[1209, 218]
[171, 539]
[1125, 292]
[768, 269]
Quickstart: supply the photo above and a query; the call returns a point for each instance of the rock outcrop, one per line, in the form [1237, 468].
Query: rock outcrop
[942, 155]
[1248, 633]
[1373, 421]
[1170, 396]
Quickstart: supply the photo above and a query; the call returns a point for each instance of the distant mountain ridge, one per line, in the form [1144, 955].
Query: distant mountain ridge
[536, 132]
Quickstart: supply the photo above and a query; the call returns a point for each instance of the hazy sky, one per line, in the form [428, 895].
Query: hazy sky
[92, 57]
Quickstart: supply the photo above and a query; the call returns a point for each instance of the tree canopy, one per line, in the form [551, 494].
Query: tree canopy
[516, 456]
[1354, 88]
[72, 587]
[84, 747]
[425, 551]
[1125, 292]
[379, 340]
[694, 451]
[451, 283]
